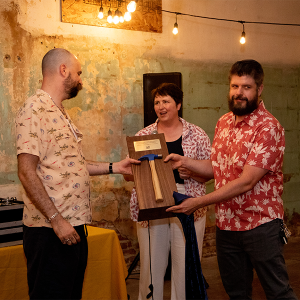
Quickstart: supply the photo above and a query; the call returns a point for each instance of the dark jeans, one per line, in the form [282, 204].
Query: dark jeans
[54, 270]
[239, 252]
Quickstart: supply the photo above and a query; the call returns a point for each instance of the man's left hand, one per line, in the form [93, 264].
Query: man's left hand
[65, 231]
[188, 206]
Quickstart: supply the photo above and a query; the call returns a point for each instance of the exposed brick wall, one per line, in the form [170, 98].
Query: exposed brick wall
[293, 222]
[129, 250]
[209, 242]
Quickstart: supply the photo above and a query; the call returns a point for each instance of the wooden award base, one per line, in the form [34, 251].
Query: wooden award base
[139, 146]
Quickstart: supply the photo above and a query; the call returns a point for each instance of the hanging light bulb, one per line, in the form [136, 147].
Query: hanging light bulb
[100, 15]
[116, 18]
[127, 16]
[175, 29]
[109, 17]
[243, 36]
[131, 7]
[243, 39]
[121, 17]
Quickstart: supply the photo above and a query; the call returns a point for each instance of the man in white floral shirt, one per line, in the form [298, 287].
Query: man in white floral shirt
[55, 176]
[246, 163]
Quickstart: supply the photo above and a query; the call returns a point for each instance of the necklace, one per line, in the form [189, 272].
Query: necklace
[62, 110]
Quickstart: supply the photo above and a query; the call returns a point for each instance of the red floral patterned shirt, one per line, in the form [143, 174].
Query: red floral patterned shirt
[257, 141]
[196, 145]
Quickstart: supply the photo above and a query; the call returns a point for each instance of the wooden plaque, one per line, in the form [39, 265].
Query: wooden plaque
[139, 146]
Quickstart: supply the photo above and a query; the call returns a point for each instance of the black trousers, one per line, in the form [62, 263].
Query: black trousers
[239, 252]
[54, 270]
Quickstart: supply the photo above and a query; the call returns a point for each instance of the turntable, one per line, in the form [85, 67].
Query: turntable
[11, 226]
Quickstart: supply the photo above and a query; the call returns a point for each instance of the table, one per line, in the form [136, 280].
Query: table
[104, 277]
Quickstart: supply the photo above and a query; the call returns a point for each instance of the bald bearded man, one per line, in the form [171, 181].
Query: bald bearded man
[55, 176]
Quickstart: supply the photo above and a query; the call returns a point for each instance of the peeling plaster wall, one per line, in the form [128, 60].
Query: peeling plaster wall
[113, 62]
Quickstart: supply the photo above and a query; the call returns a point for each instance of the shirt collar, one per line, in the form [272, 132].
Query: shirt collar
[250, 117]
[53, 107]
[185, 127]
[46, 99]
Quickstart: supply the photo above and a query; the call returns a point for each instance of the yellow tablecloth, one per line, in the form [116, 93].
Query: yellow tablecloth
[104, 277]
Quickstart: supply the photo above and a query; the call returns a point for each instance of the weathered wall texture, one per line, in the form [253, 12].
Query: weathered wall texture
[113, 62]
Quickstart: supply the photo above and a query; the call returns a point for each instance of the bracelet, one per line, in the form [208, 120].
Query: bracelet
[54, 216]
[110, 168]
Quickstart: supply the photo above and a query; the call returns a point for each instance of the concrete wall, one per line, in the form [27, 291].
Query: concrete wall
[113, 61]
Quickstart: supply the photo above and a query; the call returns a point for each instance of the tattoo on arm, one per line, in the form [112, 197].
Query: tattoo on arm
[97, 168]
[91, 164]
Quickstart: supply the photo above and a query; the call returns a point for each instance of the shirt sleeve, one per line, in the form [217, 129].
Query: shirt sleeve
[204, 149]
[268, 148]
[30, 136]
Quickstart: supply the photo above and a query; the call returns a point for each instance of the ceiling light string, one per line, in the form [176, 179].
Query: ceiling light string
[243, 36]
[230, 20]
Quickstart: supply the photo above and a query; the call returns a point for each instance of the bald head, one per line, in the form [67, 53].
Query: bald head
[54, 58]
[61, 75]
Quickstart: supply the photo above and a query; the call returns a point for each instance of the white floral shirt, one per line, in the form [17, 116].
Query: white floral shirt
[42, 130]
[196, 145]
[256, 141]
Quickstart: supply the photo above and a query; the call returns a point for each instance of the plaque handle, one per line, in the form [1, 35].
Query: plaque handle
[155, 181]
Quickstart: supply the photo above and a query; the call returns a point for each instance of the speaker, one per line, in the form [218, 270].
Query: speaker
[152, 81]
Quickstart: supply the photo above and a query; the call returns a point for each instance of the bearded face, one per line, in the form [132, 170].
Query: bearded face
[72, 87]
[241, 105]
[244, 95]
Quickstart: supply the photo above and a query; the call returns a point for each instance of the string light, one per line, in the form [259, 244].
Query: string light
[175, 29]
[242, 39]
[121, 17]
[116, 18]
[243, 36]
[100, 15]
[131, 7]
[127, 16]
[109, 17]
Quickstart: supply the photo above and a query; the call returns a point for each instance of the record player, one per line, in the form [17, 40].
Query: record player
[11, 226]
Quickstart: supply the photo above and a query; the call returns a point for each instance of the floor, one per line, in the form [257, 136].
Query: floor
[212, 276]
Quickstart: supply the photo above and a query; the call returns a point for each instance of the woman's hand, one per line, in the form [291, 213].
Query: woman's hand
[184, 173]
[176, 160]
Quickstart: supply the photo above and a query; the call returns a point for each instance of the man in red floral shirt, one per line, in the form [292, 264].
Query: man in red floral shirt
[246, 163]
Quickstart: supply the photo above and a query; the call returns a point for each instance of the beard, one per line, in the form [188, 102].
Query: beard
[71, 87]
[239, 109]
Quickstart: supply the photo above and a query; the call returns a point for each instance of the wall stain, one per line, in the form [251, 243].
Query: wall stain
[287, 177]
[209, 108]
[20, 41]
